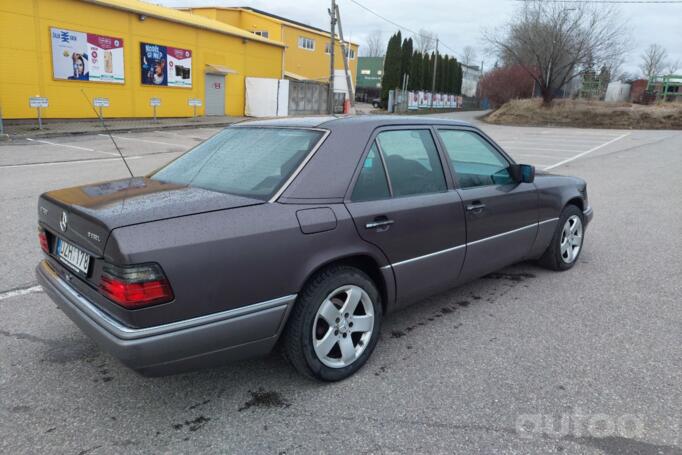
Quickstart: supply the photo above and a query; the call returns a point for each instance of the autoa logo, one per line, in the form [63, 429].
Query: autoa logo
[63, 223]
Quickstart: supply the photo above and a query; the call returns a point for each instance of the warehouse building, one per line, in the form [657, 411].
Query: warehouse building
[306, 56]
[132, 54]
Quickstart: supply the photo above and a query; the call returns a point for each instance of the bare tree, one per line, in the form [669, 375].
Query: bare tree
[374, 45]
[424, 41]
[468, 55]
[653, 60]
[673, 66]
[556, 41]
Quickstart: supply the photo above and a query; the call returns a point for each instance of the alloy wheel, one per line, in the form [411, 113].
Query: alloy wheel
[571, 239]
[343, 326]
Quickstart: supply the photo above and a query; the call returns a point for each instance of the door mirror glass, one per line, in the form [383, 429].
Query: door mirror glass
[522, 173]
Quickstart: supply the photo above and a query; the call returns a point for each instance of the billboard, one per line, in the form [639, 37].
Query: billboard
[412, 100]
[166, 66]
[79, 56]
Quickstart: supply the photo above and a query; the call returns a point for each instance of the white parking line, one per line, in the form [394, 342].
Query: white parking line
[70, 146]
[55, 163]
[18, 292]
[140, 140]
[579, 155]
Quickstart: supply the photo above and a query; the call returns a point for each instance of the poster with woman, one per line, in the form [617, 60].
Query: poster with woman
[86, 56]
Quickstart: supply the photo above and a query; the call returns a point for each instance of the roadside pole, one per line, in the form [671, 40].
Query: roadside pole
[433, 83]
[332, 13]
[346, 54]
[2, 128]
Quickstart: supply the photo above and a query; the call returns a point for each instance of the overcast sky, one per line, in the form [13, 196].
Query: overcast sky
[460, 23]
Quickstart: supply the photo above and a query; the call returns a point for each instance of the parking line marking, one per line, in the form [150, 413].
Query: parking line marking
[579, 155]
[70, 146]
[18, 292]
[54, 163]
[140, 140]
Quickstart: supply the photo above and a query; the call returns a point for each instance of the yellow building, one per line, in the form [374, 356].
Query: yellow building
[306, 56]
[129, 52]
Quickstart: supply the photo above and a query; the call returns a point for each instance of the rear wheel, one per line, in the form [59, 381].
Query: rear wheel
[334, 325]
[567, 243]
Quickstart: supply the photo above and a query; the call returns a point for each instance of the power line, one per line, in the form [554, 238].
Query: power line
[403, 27]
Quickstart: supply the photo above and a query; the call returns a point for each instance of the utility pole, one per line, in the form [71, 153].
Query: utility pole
[345, 56]
[332, 14]
[435, 66]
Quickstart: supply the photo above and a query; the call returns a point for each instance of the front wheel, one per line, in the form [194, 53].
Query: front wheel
[334, 325]
[567, 243]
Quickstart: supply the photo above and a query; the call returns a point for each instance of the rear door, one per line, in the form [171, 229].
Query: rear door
[501, 214]
[400, 201]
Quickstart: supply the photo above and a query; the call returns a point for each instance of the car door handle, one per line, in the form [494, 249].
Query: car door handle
[476, 206]
[379, 223]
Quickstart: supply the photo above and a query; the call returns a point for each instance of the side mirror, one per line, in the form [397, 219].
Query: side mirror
[522, 173]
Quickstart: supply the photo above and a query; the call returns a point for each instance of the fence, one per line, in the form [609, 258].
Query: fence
[401, 101]
[310, 98]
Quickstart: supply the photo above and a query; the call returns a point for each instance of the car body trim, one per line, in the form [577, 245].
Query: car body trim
[406, 261]
[129, 333]
[292, 177]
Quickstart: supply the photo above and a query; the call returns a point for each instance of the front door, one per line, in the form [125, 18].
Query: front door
[215, 94]
[501, 214]
[400, 202]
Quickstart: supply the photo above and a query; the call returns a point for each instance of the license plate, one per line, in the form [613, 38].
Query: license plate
[73, 256]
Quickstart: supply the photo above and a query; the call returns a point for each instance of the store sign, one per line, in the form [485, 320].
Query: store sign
[37, 101]
[155, 102]
[194, 102]
[101, 102]
[166, 66]
[79, 56]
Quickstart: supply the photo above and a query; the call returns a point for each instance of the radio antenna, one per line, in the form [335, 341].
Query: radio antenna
[108, 133]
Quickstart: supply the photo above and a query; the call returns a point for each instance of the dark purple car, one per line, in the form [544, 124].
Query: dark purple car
[303, 230]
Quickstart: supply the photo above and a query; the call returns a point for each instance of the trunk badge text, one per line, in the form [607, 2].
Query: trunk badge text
[63, 223]
[93, 236]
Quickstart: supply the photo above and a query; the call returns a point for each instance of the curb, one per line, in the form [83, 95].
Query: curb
[99, 130]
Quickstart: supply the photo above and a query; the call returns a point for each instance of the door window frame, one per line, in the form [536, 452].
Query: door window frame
[484, 137]
[447, 175]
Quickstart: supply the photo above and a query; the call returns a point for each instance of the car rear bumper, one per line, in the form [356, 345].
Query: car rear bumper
[179, 346]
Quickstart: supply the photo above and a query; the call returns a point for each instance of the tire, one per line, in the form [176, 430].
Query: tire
[308, 332]
[557, 258]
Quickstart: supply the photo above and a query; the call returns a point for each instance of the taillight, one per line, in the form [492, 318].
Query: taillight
[42, 236]
[135, 286]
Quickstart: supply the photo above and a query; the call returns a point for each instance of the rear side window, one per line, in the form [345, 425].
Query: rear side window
[252, 162]
[372, 184]
[412, 162]
[475, 162]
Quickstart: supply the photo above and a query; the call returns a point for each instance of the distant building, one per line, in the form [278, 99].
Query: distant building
[471, 75]
[370, 72]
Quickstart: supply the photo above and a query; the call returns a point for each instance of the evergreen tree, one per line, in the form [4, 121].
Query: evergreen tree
[391, 78]
[405, 59]
[458, 79]
[416, 71]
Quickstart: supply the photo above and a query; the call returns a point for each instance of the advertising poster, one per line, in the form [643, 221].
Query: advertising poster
[82, 56]
[412, 101]
[437, 101]
[427, 99]
[420, 99]
[166, 66]
[451, 102]
[459, 102]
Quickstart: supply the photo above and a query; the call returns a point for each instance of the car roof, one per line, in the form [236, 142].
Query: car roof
[371, 121]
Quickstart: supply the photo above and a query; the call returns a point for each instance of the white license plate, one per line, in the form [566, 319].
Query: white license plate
[73, 256]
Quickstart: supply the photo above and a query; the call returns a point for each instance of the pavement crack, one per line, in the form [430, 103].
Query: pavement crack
[25, 337]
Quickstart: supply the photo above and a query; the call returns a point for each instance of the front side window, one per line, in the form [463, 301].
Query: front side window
[372, 184]
[306, 43]
[262, 33]
[251, 162]
[474, 160]
[412, 162]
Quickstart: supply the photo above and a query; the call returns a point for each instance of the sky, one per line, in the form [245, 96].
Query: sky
[461, 23]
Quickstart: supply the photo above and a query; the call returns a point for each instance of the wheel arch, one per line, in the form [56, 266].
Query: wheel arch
[367, 264]
[577, 201]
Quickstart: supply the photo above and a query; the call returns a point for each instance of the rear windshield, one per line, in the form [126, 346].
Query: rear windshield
[252, 162]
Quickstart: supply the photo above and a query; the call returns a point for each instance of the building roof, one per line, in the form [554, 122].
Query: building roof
[181, 17]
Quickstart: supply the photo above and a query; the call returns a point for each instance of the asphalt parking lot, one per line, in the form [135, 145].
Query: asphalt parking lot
[523, 361]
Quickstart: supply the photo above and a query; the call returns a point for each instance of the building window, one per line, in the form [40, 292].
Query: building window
[352, 53]
[306, 43]
[365, 72]
[328, 46]
[262, 33]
